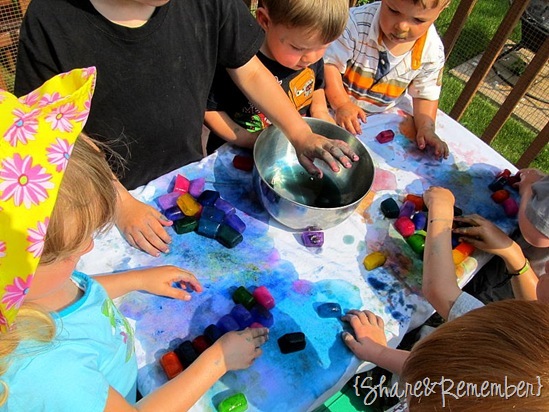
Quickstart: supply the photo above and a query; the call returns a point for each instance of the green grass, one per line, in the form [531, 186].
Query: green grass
[515, 136]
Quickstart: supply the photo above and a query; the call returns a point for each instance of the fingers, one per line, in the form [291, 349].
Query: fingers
[187, 280]
[154, 238]
[260, 336]
[175, 293]
[357, 318]
[442, 150]
[350, 341]
[420, 141]
[342, 150]
[151, 241]
[332, 154]
[309, 166]
[356, 125]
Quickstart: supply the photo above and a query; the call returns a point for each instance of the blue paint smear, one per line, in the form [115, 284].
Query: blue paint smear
[296, 379]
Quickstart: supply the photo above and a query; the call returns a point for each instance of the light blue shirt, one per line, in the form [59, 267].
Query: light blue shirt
[93, 350]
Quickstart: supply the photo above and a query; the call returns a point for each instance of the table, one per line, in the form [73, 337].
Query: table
[298, 277]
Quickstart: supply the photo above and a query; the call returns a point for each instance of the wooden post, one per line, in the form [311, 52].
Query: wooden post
[488, 58]
[456, 25]
[517, 92]
[535, 147]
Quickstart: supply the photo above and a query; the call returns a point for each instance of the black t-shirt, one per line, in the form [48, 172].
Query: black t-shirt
[152, 81]
[225, 96]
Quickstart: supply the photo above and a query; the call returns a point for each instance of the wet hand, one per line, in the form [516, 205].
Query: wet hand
[161, 281]
[333, 152]
[427, 137]
[349, 116]
[369, 338]
[483, 235]
[242, 348]
[528, 177]
[142, 226]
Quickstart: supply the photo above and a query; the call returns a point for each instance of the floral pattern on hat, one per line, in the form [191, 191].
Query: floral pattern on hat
[37, 134]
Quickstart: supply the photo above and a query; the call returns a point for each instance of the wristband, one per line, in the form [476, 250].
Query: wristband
[524, 269]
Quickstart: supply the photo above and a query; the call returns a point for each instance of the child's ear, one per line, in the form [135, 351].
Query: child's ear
[262, 17]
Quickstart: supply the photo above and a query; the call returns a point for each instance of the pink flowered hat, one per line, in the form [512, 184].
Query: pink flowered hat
[37, 134]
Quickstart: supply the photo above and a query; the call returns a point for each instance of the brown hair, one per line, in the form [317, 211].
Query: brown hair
[328, 17]
[503, 343]
[431, 4]
[85, 204]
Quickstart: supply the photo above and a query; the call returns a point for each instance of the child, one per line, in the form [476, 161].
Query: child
[297, 34]
[439, 281]
[68, 347]
[492, 358]
[157, 60]
[388, 48]
[532, 239]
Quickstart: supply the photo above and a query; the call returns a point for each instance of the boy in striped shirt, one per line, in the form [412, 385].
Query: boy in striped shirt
[388, 49]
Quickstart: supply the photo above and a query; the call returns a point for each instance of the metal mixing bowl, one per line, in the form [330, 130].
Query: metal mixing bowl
[295, 198]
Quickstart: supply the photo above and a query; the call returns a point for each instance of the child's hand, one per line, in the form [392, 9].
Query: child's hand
[484, 235]
[142, 225]
[438, 195]
[427, 137]
[348, 116]
[160, 281]
[240, 349]
[369, 340]
[527, 178]
[333, 152]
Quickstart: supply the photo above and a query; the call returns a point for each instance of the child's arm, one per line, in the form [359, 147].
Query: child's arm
[233, 351]
[319, 106]
[425, 113]
[347, 114]
[141, 225]
[158, 280]
[486, 236]
[440, 286]
[262, 89]
[222, 125]
[369, 343]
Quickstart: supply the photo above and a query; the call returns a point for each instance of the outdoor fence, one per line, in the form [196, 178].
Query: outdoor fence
[496, 80]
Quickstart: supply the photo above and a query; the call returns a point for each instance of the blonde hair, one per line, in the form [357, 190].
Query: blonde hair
[327, 17]
[85, 205]
[502, 343]
[87, 201]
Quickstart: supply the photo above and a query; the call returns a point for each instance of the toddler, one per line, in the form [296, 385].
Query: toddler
[297, 33]
[388, 49]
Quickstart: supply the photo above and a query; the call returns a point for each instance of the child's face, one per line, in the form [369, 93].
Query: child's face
[294, 48]
[402, 21]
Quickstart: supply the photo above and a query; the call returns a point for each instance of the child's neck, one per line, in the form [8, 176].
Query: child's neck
[56, 295]
[128, 13]
[397, 49]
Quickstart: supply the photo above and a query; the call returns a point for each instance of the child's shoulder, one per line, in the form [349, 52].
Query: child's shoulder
[365, 10]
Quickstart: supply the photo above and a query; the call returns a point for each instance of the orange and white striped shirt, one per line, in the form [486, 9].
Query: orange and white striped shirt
[356, 55]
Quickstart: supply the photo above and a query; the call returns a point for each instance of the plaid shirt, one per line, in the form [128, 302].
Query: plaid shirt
[356, 54]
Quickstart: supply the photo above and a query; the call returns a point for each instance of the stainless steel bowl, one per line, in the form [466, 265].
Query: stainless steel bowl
[295, 198]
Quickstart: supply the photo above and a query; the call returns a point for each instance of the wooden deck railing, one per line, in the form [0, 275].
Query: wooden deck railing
[483, 67]
[452, 33]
